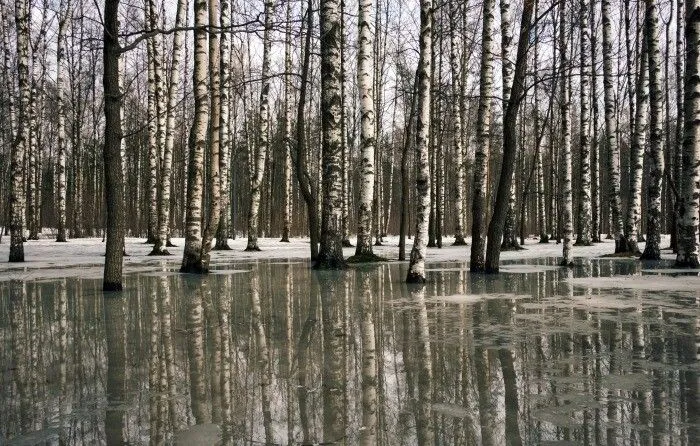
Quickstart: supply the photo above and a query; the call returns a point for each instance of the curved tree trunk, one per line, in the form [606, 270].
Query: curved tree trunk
[652, 250]
[690, 191]
[330, 255]
[257, 168]
[483, 135]
[416, 268]
[510, 238]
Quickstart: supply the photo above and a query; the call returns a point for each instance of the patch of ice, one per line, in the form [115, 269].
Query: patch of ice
[646, 283]
[526, 269]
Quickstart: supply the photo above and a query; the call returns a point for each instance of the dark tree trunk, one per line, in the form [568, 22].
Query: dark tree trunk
[114, 181]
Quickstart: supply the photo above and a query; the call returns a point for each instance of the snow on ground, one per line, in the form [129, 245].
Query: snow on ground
[45, 258]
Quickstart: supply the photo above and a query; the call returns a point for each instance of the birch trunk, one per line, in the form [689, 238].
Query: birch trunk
[634, 205]
[652, 250]
[457, 129]
[680, 119]
[330, 255]
[584, 208]
[197, 144]
[483, 134]
[510, 124]
[690, 190]
[260, 155]
[17, 197]
[160, 247]
[64, 17]
[510, 239]
[286, 221]
[222, 230]
[565, 168]
[345, 219]
[214, 139]
[365, 86]
[152, 128]
[595, 168]
[416, 268]
[610, 130]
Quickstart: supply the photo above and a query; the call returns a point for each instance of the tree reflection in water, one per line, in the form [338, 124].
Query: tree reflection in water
[274, 352]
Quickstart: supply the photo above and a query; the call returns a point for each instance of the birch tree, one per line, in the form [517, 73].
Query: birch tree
[584, 208]
[365, 86]
[510, 240]
[160, 247]
[652, 249]
[483, 134]
[224, 126]
[690, 187]
[565, 168]
[416, 267]
[287, 125]
[257, 169]
[330, 255]
[457, 127]
[64, 16]
[634, 204]
[197, 144]
[212, 222]
[17, 197]
[610, 131]
[595, 168]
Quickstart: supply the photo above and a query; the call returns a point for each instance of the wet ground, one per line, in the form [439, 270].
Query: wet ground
[275, 352]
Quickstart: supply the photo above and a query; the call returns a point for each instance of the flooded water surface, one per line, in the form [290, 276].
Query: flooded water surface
[276, 353]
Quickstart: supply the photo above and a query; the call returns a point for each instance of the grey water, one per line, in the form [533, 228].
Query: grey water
[273, 352]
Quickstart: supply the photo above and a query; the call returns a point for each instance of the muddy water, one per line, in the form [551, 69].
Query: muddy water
[273, 352]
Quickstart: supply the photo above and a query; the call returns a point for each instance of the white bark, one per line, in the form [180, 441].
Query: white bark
[257, 167]
[634, 205]
[17, 197]
[225, 141]
[610, 130]
[457, 129]
[331, 252]
[690, 188]
[63, 25]
[416, 268]
[652, 249]
[565, 168]
[483, 134]
[365, 86]
[195, 173]
[287, 125]
[584, 210]
[169, 143]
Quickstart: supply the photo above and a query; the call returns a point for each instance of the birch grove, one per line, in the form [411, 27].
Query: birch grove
[279, 118]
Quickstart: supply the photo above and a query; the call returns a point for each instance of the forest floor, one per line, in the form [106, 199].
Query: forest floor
[84, 257]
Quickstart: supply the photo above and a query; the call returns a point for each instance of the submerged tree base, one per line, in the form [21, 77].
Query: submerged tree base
[688, 262]
[459, 241]
[159, 252]
[415, 278]
[112, 286]
[194, 268]
[544, 238]
[346, 243]
[366, 258]
[252, 249]
[511, 247]
[566, 264]
[223, 246]
[330, 263]
[170, 244]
